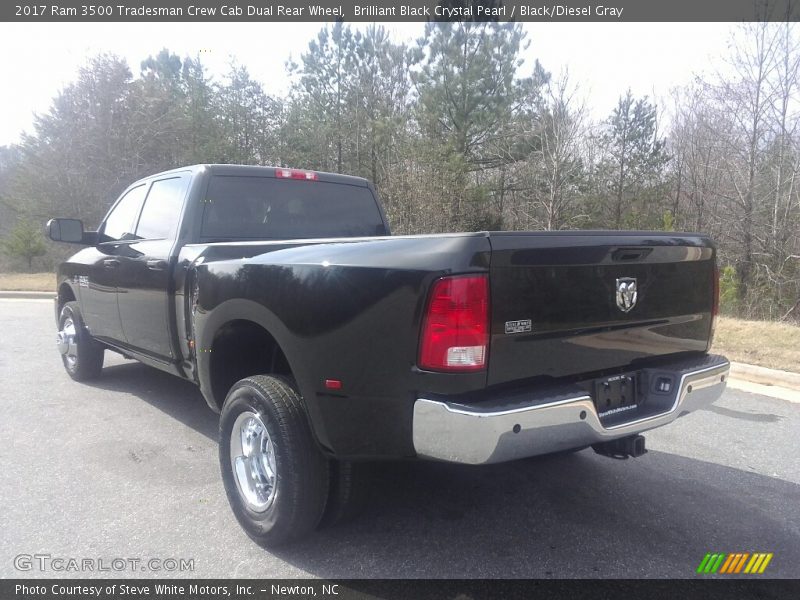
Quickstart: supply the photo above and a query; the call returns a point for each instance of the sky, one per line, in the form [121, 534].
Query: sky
[604, 59]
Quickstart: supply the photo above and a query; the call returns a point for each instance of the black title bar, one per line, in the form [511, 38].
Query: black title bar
[267, 11]
[393, 589]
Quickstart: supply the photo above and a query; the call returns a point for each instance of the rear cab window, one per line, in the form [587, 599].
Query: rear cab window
[267, 208]
[162, 209]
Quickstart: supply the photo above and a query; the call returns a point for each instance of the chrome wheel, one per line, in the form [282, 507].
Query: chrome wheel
[253, 461]
[67, 346]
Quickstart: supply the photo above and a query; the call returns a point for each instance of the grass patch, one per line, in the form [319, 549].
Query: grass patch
[763, 343]
[28, 282]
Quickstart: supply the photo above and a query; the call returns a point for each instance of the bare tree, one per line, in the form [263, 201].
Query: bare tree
[745, 100]
[553, 173]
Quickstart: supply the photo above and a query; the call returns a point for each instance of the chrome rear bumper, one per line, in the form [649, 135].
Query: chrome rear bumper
[498, 431]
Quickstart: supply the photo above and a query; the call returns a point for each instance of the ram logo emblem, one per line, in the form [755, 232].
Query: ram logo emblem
[626, 293]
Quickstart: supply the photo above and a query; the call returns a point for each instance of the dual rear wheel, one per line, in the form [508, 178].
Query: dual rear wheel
[279, 485]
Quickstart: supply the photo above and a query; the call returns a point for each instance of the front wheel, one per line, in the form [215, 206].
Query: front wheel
[275, 476]
[81, 354]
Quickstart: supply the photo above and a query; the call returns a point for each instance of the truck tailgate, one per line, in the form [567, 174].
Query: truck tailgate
[564, 304]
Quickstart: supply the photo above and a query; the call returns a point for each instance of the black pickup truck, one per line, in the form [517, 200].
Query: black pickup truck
[325, 343]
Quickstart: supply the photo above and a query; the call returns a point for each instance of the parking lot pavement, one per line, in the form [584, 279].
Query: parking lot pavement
[127, 468]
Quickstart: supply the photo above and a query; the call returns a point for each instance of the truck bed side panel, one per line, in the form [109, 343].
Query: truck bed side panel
[346, 310]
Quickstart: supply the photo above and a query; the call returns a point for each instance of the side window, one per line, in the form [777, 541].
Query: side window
[120, 223]
[162, 209]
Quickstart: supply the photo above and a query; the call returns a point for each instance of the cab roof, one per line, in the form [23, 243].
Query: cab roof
[259, 171]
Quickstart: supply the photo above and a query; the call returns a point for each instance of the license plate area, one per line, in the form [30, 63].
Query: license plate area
[615, 397]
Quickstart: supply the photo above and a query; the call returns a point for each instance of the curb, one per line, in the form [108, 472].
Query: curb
[28, 295]
[765, 376]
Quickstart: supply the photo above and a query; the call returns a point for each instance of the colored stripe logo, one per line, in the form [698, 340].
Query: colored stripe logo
[735, 563]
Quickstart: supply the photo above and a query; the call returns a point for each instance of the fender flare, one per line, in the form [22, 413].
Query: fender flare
[208, 324]
[65, 283]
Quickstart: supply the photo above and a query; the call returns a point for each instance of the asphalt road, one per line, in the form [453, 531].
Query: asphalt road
[127, 468]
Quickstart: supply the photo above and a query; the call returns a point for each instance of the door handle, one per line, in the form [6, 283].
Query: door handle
[111, 263]
[156, 265]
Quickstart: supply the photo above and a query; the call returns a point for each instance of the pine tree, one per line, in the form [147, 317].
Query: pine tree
[635, 156]
[25, 241]
[467, 96]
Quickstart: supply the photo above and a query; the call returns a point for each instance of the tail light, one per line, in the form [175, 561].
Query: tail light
[295, 174]
[455, 329]
[714, 303]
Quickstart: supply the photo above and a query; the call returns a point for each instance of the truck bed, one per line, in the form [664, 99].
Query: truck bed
[352, 309]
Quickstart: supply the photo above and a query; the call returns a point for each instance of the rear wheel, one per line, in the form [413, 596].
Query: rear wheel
[81, 354]
[348, 492]
[275, 476]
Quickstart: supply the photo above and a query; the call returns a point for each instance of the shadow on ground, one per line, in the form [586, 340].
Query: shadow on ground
[177, 398]
[578, 515]
[563, 516]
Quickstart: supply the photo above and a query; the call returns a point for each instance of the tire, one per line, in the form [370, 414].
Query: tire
[348, 492]
[275, 476]
[81, 354]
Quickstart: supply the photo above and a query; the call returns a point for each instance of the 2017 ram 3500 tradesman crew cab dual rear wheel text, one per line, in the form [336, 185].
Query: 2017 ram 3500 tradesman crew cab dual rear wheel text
[326, 343]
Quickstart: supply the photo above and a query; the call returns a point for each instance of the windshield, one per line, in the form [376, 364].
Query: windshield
[242, 208]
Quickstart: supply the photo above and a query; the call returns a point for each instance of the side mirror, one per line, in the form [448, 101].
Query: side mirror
[68, 230]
